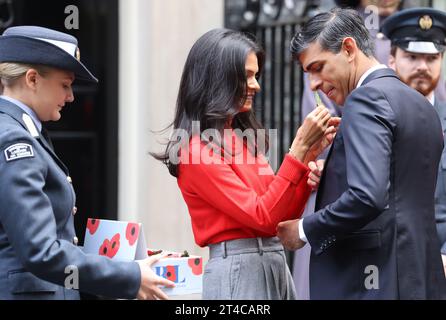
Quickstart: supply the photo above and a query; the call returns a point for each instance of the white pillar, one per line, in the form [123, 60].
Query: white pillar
[155, 37]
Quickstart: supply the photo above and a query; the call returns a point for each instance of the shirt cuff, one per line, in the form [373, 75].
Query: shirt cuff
[302, 235]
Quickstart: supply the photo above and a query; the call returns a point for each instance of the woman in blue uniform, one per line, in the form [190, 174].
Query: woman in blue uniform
[38, 246]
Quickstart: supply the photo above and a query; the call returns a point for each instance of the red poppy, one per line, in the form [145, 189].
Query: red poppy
[114, 245]
[170, 273]
[104, 249]
[92, 225]
[197, 265]
[153, 252]
[132, 233]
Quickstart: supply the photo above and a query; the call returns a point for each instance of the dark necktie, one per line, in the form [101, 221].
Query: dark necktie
[46, 136]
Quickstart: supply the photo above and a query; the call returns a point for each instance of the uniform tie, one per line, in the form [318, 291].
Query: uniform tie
[46, 136]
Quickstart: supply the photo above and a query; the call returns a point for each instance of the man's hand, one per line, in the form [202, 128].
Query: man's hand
[288, 233]
[314, 178]
[149, 289]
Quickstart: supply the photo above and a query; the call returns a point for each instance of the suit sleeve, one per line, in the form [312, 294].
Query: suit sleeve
[368, 129]
[27, 217]
[219, 185]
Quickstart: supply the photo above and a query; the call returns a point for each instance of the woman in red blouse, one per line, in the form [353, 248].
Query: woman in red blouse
[217, 153]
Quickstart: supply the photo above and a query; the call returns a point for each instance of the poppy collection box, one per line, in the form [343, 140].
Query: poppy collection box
[185, 271]
[122, 240]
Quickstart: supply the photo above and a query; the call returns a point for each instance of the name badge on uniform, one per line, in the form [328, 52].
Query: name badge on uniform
[19, 151]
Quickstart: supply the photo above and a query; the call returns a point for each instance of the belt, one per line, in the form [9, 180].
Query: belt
[241, 246]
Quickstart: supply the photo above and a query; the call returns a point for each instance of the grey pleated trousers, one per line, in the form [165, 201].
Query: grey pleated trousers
[248, 269]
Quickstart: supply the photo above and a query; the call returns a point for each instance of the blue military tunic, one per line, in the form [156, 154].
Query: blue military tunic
[37, 238]
[440, 191]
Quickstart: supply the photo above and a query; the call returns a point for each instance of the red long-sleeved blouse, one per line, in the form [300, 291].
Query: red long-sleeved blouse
[234, 198]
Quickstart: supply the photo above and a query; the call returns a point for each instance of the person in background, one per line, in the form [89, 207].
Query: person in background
[418, 43]
[37, 200]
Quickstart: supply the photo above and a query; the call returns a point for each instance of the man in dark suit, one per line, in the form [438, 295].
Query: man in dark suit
[416, 56]
[308, 103]
[373, 235]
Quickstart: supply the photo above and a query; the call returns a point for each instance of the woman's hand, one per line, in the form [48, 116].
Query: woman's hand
[150, 282]
[314, 178]
[311, 131]
[319, 146]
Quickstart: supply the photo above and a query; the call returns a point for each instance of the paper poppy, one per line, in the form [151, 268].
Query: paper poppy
[104, 249]
[153, 252]
[92, 225]
[132, 233]
[170, 273]
[196, 265]
[114, 245]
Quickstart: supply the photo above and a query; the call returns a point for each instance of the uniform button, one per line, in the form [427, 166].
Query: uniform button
[69, 179]
[74, 211]
[75, 241]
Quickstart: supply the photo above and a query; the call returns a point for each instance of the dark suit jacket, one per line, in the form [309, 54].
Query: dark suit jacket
[36, 225]
[440, 191]
[375, 222]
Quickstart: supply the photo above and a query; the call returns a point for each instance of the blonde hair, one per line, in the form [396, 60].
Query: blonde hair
[11, 72]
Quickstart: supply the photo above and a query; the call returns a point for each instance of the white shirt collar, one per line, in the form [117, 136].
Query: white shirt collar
[366, 74]
[432, 99]
[25, 109]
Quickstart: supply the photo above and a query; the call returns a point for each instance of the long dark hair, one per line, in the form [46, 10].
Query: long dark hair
[213, 87]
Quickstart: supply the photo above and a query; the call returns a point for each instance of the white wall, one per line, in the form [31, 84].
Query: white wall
[155, 38]
[439, 4]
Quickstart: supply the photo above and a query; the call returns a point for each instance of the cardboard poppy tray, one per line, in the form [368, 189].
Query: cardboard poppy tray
[122, 240]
